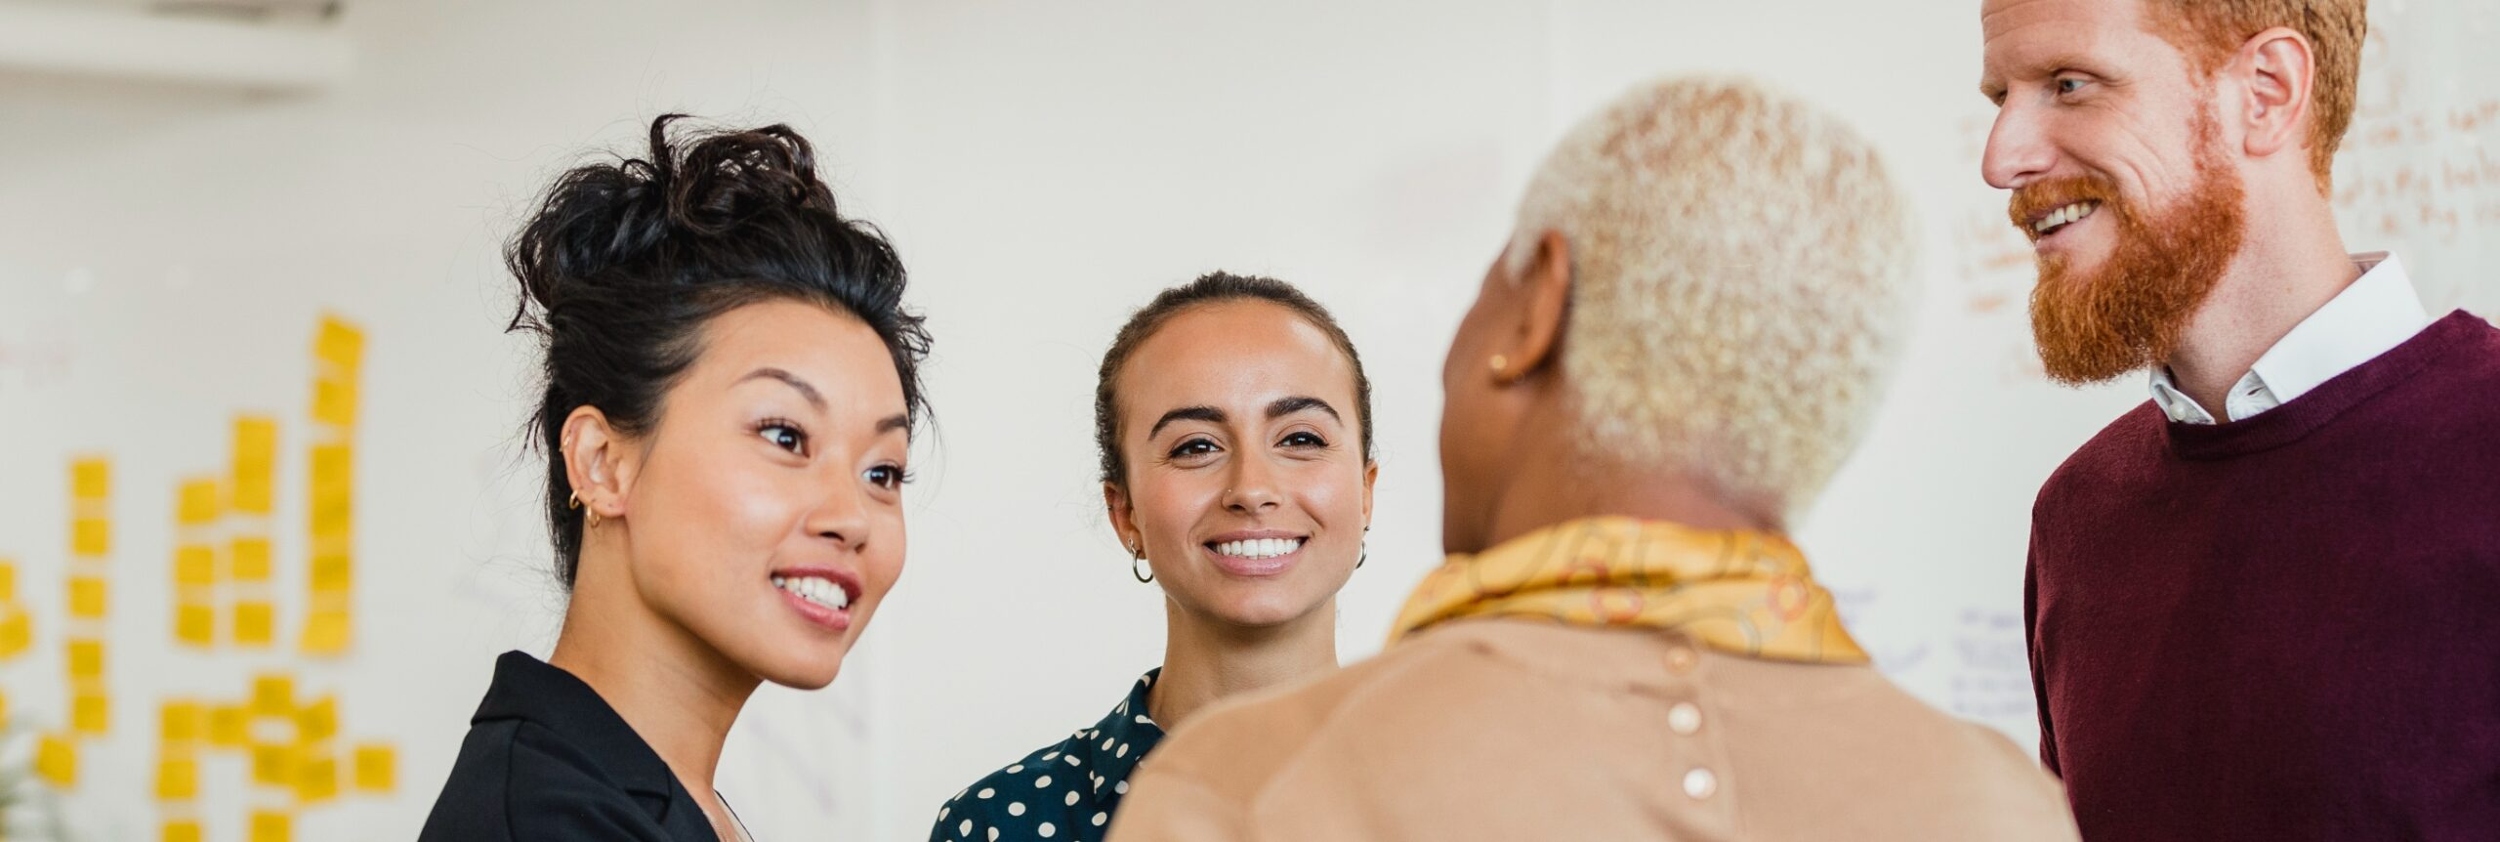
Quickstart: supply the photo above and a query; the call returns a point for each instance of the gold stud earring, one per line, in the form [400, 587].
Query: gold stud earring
[1500, 363]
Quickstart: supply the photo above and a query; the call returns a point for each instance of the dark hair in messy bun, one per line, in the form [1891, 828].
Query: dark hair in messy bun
[626, 261]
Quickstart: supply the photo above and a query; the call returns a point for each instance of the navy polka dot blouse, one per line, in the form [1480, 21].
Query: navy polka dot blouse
[1065, 791]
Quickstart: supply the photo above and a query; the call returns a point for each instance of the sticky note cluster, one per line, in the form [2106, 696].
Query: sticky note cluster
[89, 599]
[17, 627]
[290, 744]
[198, 504]
[338, 362]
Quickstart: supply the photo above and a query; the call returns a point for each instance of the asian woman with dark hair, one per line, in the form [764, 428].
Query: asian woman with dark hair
[730, 391]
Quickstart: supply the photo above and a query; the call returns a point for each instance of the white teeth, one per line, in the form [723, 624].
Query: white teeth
[2063, 216]
[1259, 547]
[817, 590]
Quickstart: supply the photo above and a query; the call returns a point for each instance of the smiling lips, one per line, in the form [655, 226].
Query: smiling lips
[822, 597]
[2057, 220]
[1256, 555]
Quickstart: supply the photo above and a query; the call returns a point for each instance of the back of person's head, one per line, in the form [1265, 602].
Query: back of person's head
[1742, 270]
[625, 262]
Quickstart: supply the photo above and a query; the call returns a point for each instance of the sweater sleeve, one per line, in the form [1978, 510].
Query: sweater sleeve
[2031, 650]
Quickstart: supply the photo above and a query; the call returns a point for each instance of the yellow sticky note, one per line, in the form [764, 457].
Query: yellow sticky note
[273, 694]
[272, 826]
[90, 479]
[90, 537]
[316, 776]
[333, 572]
[184, 722]
[8, 581]
[86, 596]
[339, 343]
[195, 623]
[177, 779]
[327, 631]
[90, 712]
[334, 401]
[182, 830]
[250, 559]
[254, 493]
[17, 631]
[199, 503]
[195, 564]
[56, 759]
[317, 721]
[273, 764]
[229, 726]
[86, 658]
[255, 623]
[376, 768]
[255, 463]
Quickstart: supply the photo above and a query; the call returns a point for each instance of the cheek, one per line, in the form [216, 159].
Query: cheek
[883, 562]
[1331, 495]
[1170, 502]
[723, 512]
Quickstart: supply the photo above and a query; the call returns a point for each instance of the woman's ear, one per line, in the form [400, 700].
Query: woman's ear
[595, 464]
[1371, 475]
[1545, 287]
[1123, 519]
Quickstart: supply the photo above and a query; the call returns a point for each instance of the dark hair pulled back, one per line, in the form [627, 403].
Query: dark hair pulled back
[626, 261]
[1211, 288]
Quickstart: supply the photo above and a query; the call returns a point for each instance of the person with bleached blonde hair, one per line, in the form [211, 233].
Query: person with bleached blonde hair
[1681, 343]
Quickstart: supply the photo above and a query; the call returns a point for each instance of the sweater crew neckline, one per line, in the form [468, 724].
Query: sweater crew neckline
[2300, 417]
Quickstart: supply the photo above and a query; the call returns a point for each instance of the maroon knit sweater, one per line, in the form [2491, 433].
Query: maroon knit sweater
[2286, 627]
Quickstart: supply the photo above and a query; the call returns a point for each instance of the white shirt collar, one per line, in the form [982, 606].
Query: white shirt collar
[2377, 312]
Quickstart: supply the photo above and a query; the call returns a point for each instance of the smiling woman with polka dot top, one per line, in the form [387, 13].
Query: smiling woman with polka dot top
[1234, 423]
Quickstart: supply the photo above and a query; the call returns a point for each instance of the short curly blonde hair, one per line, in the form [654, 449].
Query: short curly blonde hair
[1742, 277]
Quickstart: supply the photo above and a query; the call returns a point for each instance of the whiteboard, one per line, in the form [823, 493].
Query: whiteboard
[167, 255]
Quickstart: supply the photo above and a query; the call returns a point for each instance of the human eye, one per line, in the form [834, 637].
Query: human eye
[889, 477]
[1303, 438]
[1192, 446]
[783, 434]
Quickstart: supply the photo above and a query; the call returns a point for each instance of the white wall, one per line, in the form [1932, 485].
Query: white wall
[1043, 168]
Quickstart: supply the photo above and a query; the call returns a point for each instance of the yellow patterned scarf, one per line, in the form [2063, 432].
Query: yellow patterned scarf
[1737, 591]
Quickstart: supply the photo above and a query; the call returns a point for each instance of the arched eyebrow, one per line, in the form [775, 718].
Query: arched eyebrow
[805, 389]
[1282, 407]
[1207, 414]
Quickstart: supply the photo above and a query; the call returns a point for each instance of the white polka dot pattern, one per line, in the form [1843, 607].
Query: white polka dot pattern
[1063, 805]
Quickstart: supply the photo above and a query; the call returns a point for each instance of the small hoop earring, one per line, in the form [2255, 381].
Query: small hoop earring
[1366, 556]
[574, 502]
[1144, 576]
[591, 518]
[1500, 363]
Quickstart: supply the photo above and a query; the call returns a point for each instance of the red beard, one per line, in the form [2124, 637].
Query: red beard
[2129, 312]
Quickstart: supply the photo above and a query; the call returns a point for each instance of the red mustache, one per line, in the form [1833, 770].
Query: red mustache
[2032, 201]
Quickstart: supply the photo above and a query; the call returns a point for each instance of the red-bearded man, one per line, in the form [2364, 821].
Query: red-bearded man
[2260, 605]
